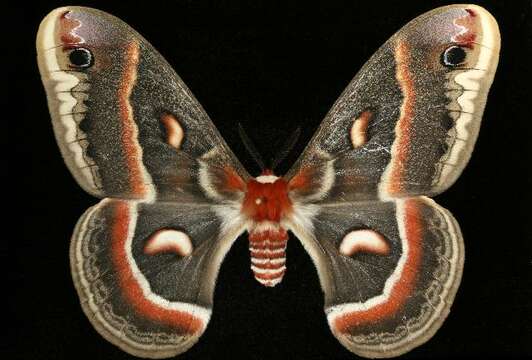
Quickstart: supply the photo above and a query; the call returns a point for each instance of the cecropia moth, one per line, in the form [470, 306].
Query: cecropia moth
[174, 197]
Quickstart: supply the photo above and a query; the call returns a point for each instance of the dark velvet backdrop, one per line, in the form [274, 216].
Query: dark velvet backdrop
[273, 66]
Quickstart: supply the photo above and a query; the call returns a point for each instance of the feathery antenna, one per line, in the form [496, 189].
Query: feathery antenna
[250, 147]
[287, 147]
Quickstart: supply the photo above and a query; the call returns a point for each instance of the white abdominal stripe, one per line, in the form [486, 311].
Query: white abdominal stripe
[268, 253]
[256, 261]
[259, 270]
[474, 83]
[65, 109]
[269, 269]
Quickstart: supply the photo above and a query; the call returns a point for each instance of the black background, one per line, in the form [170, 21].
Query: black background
[273, 66]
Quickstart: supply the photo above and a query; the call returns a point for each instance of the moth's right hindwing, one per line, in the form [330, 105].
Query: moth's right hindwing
[389, 271]
[145, 273]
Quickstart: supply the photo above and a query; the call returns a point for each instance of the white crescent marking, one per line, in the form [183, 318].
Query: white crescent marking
[364, 241]
[169, 241]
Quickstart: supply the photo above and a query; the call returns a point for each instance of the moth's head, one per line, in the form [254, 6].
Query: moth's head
[450, 38]
[81, 39]
[266, 198]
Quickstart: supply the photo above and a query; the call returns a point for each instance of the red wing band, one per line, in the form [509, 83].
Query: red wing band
[140, 180]
[392, 177]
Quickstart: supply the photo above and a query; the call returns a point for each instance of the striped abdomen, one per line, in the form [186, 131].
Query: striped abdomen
[267, 246]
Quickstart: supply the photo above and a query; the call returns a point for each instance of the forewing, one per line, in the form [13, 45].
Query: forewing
[145, 273]
[126, 124]
[408, 121]
[389, 271]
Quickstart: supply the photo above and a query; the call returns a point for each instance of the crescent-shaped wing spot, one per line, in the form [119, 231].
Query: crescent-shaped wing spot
[364, 241]
[174, 130]
[169, 241]
[359, 128]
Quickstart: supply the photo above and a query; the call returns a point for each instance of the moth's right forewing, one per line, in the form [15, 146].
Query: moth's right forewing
[407, 123]
[126, 124]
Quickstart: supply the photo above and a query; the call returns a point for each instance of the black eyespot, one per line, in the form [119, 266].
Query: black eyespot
[81, 58]
[453, 56]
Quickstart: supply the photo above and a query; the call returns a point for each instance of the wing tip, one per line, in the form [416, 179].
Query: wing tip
[488, 23]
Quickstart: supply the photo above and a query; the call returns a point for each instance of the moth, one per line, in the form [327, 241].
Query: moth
[174, 197]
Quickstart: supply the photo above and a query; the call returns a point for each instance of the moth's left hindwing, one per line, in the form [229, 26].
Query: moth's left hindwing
[145, 273]
[145, 259]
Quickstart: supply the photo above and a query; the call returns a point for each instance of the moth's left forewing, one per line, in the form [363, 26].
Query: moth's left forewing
[126, 124]
[145, 273]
